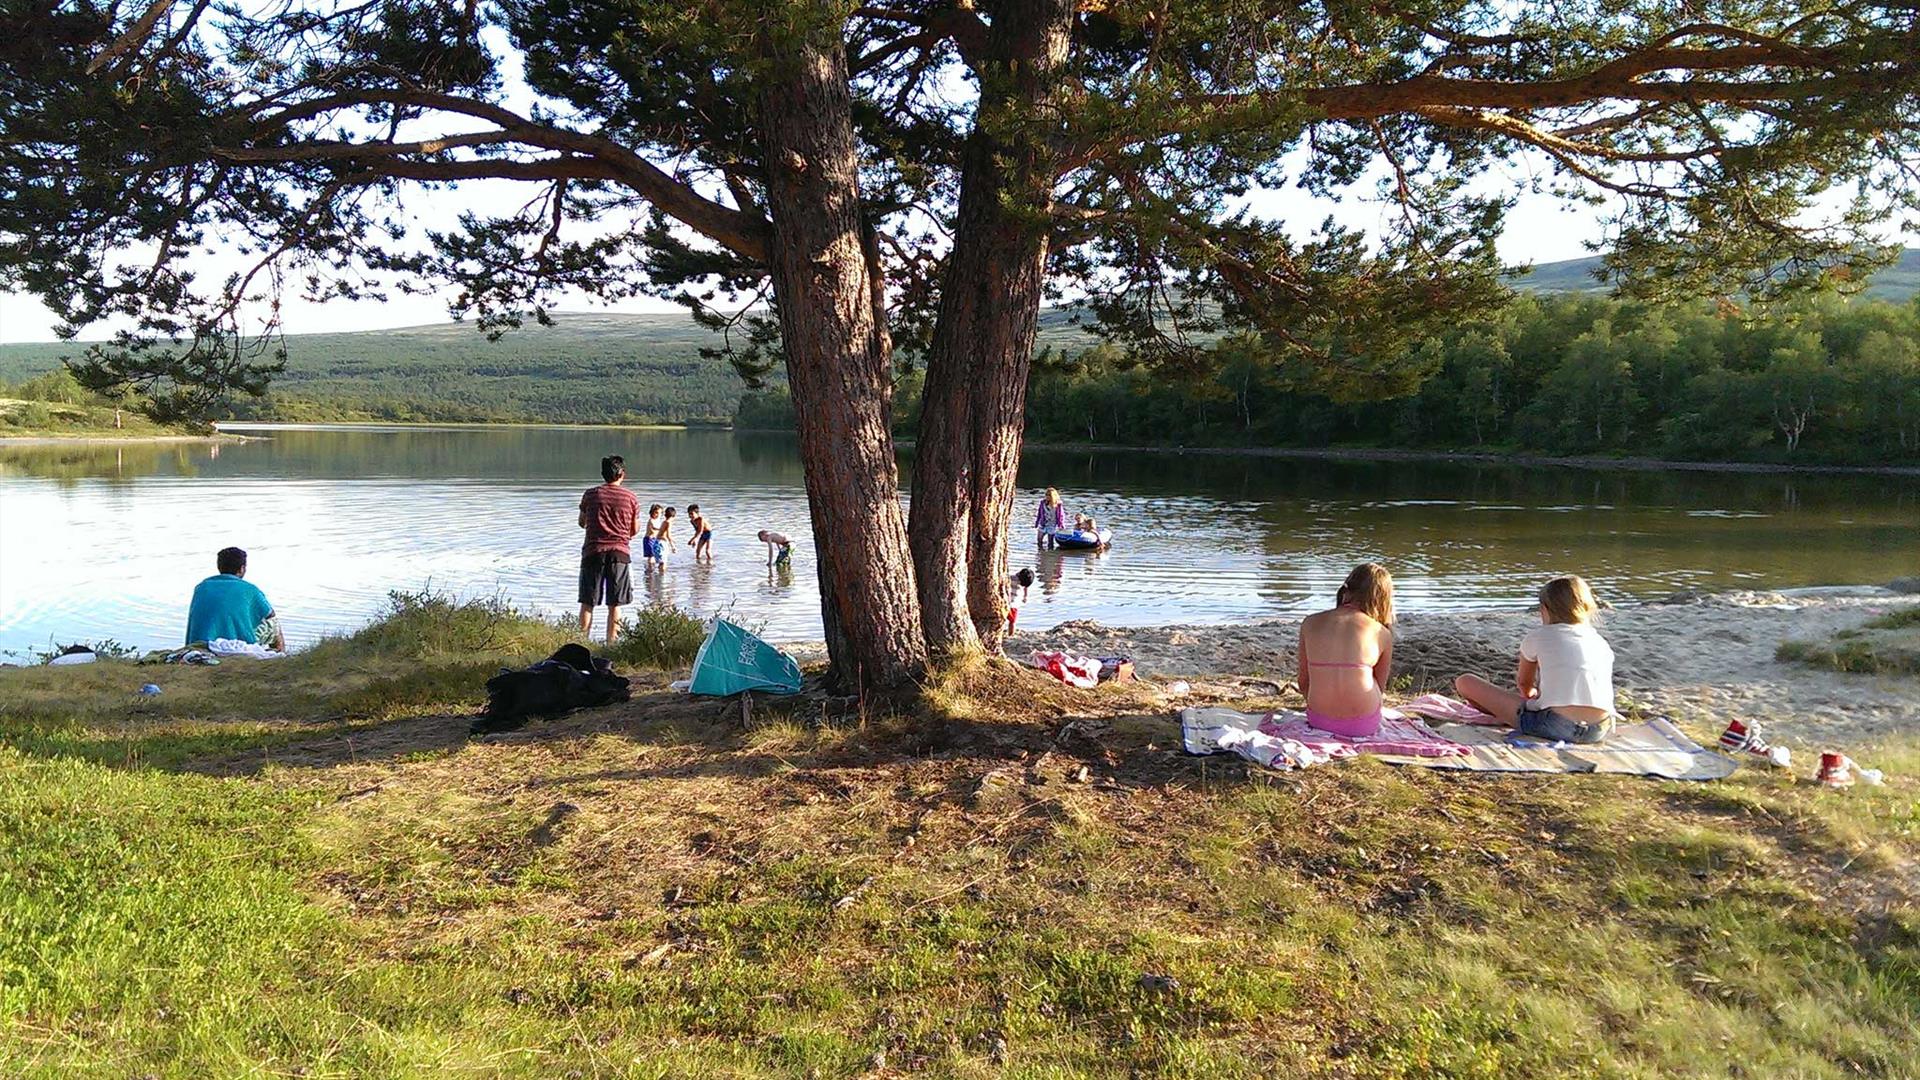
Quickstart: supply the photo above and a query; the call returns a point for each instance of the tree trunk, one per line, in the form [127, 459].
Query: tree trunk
[974, 401]
[838, 364]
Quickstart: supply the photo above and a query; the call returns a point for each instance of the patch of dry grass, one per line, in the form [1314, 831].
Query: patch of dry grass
[1885, 645]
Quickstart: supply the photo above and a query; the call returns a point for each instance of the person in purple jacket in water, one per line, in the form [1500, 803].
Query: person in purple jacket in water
[1052, 515]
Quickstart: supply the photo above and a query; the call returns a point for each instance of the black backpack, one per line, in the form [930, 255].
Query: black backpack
[572, 678]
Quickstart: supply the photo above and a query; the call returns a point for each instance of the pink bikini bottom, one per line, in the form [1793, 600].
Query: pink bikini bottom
[1356, 727]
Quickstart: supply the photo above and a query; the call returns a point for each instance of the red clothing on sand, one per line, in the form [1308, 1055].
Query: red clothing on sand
[612, 515]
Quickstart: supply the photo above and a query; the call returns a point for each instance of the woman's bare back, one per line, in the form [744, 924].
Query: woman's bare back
[1344, 656]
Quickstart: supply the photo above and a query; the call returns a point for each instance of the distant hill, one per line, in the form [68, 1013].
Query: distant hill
[587, 368]
[1899, 282]
[602, 368]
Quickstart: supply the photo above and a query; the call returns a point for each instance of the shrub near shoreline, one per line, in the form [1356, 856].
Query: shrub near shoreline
[1885, 645]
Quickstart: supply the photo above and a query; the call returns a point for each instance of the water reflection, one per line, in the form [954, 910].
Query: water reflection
[108, 539]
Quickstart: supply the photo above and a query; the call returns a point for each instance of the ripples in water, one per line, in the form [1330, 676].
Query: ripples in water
[108, 542]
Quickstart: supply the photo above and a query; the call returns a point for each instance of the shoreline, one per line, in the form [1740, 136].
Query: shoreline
[1701, 659]
[445, 425]
[1455, 457]
[230, 431]
[1478, 457]
[100, 439]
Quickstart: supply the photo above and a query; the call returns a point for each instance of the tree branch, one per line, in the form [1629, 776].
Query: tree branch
[733, 229]
[132, 37]
[327, 151]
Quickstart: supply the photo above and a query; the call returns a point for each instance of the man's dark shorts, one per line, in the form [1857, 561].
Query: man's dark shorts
[606, 577]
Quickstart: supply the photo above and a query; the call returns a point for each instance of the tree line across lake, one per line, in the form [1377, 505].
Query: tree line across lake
[1826, 381]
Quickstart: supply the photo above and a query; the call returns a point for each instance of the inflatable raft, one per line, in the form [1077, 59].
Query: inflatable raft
[1079, 540]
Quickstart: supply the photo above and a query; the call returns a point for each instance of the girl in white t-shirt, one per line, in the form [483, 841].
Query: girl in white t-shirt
[1565, 673]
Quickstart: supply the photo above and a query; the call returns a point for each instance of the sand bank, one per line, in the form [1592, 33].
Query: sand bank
[1699, 660]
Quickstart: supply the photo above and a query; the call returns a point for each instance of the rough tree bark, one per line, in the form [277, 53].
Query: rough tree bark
[974, 400]
[838, 364]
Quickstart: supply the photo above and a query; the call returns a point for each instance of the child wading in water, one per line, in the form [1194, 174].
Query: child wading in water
[1050, 518]
[1346, 655]
[666, 535]
[702, 527]
[1565, 673]
[779, 548]
[652, 548]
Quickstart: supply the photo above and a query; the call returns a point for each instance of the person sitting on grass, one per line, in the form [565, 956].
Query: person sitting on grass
[226, 607]
[1346, 654]
[1565, 674]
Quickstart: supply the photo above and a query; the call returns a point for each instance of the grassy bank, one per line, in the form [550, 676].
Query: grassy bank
[304, 866]
[22, 418]
[1889, 644]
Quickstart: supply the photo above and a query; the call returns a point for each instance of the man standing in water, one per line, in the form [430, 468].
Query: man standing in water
[611, 516]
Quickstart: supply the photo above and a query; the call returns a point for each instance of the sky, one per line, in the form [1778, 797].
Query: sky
[1540, 229]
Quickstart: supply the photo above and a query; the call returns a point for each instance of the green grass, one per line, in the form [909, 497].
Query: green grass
[588, 368]
[1886, 644]
[43, 419]
[428, 654]
[644, 891]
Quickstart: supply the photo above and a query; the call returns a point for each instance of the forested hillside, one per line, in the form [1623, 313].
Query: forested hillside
[1832, 382]
[1538, 377]
[1898, 283]
[587, 368]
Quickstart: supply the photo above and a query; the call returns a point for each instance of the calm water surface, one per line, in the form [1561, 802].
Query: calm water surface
[108, 541]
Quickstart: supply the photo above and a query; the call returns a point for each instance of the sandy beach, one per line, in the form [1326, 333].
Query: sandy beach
[1700, 660]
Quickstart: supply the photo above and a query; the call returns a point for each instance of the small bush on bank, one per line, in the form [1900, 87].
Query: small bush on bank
[57, 386]
[428, 624]
[1896, 620]
[31, 415]
[1888, 644]
[105, 649]
[657, 636]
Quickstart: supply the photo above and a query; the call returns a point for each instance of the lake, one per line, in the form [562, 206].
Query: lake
[106, 541]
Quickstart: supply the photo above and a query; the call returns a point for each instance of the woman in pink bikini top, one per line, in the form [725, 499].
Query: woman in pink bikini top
[1346, 655]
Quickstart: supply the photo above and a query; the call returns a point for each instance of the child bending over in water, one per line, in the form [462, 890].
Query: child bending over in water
[1346, 655]
[1565, 673]
[779, 548]
[702, 527]
[1016, 592]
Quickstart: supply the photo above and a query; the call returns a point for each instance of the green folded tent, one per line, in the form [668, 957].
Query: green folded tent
[732, 660]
